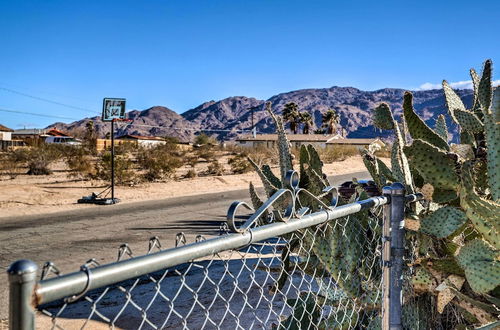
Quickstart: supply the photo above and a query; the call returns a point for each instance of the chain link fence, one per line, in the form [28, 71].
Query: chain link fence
[321, 270]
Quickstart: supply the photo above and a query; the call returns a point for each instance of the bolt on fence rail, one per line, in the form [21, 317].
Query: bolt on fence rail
[305, 271]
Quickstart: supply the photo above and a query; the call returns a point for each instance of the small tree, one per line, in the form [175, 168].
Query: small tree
[204, 139]
[292, 116]
[90, 137]
[307, 120]
[330, 120]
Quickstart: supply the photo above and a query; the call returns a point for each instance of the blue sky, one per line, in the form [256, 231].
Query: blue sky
[182, 53]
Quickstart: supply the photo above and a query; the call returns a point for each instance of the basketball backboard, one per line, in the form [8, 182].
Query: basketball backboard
[113, 108]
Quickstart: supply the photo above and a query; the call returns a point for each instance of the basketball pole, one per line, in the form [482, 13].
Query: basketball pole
[113, 161]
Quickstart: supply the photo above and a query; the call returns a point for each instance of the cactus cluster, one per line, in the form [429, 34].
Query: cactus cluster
[458, 225]
[344, 251]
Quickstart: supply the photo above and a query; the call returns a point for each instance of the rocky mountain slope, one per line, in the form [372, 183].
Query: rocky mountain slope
[226, 118]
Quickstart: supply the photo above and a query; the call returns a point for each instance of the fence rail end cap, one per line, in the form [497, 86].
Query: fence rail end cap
[396, 188]
[22, 267]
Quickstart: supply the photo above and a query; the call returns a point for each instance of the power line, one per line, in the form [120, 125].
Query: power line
[48, 101]
[36, 114]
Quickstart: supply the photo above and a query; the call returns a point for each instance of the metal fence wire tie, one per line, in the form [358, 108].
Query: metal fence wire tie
[180, 238]
[48, 268]
[154, 242]
[84, 268]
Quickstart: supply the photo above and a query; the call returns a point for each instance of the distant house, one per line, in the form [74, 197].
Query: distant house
[296, 140]
[30, 133]
[35, 136]
[144, 141]
[6, 141]
[56, 132]
[5, 133]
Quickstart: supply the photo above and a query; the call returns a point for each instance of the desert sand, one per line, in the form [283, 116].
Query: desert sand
[26, 195]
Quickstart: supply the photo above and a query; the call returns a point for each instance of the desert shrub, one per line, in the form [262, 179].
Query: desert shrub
[205, 153]
[80, 162]
[239, 164]
[159, 162]
[124, 173]
[14, 162]
[262, 154]
[190, 174]
[204, 139]
[384, 152]
[41, 157]
[127, 148]
[337, 153]
[215, 168]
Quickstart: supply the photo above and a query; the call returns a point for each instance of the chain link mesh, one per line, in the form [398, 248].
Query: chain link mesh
[326, 276]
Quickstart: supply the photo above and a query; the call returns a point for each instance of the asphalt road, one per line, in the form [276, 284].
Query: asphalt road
[70, 238]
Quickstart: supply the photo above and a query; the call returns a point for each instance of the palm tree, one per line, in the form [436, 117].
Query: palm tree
[330, 120]
[307, 120]
[291, 115]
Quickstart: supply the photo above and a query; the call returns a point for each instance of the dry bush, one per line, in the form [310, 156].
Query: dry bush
[13, 163]
[205, 153]
[263, 155]
[124, 174]
[204, 139]
[160, 162]
[190, 174]
[81, 163]
[215, 168]
[384, 152]
[239, 164]
[337, 153]
[41, 157]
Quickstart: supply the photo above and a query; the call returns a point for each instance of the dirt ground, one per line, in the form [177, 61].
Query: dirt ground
[26, 194]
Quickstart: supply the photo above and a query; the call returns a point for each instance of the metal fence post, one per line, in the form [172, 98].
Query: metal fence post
[22, 279]
[393, 252]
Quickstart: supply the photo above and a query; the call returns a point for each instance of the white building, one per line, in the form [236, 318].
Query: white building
[144, 141]
[296, 140]
[5, 133]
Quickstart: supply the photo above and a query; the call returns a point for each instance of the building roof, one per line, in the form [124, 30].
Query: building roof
[5, 129]
[353, 141]
[139, 137]
[56, 132]
[30, 131]
[291, 137]
[329, 139]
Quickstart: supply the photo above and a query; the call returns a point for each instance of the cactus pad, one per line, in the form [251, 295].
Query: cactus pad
[481, 265]
[492, 134]
[382, 117]
[435, 166]
[469, 121]
[440, 127]
[484, 88]
[444, 196]
[453, 101]
[443, 222]
[423, 281]
[417, 127]
[447, 265]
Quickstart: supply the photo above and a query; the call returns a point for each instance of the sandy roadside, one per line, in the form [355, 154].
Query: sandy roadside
[27, 195]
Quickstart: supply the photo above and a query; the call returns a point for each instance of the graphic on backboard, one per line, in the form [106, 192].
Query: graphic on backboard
[113, 109]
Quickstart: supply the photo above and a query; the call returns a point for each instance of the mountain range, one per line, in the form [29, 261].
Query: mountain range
[228, 117]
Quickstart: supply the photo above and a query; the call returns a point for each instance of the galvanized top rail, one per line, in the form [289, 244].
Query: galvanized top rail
[74, 284]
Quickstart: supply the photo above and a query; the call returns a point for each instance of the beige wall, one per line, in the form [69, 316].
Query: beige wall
[5, 136]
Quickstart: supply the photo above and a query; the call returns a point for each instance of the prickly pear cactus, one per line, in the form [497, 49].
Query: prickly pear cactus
[458, 225]
[338, 250]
